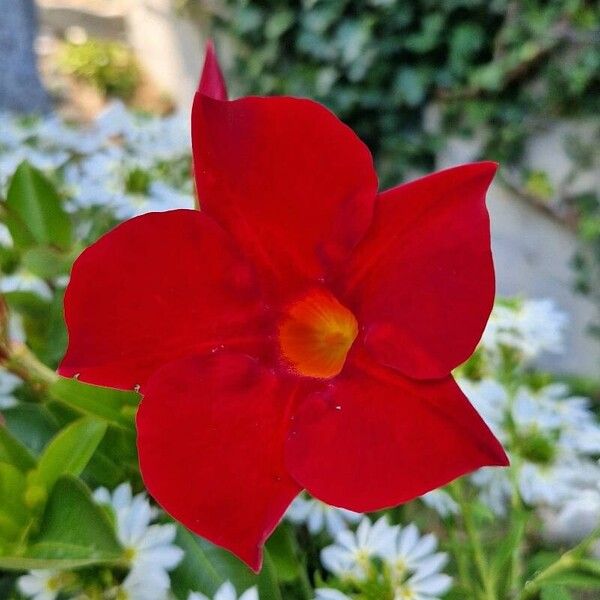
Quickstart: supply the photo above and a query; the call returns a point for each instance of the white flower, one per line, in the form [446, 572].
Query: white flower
[575, 519]
[441, 502]
[8, 384]
[150, 548]
[318, 516]
[227, 592]
[413, 553]
[41, 584]
[495, 488]
[351, 554]
[25, 281]
[6, 240]
[490, 400]
[531, 327]
[330, 594]
[144, 582]
[424, 585]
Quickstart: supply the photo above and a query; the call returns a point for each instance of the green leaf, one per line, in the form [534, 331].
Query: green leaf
[14, 452]
[13, 514]
[34, 212]
[115, 460]
[205, 567]
[69, 451]
[115, 406]
[555, 592]
[32, 424]
[575, 579]
[46, 262]
[283, 551]
[74, 532]
[505, 548]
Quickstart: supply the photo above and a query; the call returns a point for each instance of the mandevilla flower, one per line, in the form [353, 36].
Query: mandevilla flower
[297, 332]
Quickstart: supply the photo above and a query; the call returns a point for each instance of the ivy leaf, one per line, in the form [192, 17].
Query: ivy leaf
[74, 532]
[35, 215]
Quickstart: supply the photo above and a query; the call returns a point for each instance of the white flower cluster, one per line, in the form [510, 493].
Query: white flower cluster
[318, 516]
[149, 548]
[552, 437]
[411, 565]
[227, 592]
[552, 440]
[125, 163]
[527, 326]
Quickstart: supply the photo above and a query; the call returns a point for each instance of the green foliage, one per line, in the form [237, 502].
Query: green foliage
[205, 567]
[109, 66]
[379, 65]
[74, 532]
[116, 407]
[68, 452]
[34, 215]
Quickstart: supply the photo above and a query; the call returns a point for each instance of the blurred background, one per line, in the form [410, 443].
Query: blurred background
[425, 83]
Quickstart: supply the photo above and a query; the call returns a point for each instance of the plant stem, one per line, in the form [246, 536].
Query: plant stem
[22, 362]
[517, 512]
[462, 565]
[569, 560]
[474, 541]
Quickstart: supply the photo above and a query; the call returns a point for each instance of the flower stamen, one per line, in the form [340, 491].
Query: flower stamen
[316, 334]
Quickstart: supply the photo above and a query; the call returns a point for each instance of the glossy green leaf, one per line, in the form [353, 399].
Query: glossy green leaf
[74, 532]
[69, 451]
[35, 215]
[14, 452]
[114, 406]
[206, 566]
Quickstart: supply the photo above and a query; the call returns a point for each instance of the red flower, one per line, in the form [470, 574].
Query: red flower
[299, 332]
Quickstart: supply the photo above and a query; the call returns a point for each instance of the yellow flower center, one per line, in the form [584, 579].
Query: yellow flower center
[316, 334]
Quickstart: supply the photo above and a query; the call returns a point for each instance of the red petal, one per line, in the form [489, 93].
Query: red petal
[422, 281]
[157, 287]
[212, 82]
[375, 439]
[210, 439]
[287, 179]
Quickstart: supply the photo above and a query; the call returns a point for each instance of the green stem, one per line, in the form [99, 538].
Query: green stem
[22, 362]
[568, 561]
[518, 509]
[462, 564]
[474, 541]
[307, 590]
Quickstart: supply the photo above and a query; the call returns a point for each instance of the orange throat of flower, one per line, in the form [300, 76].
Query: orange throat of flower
[316, 334]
